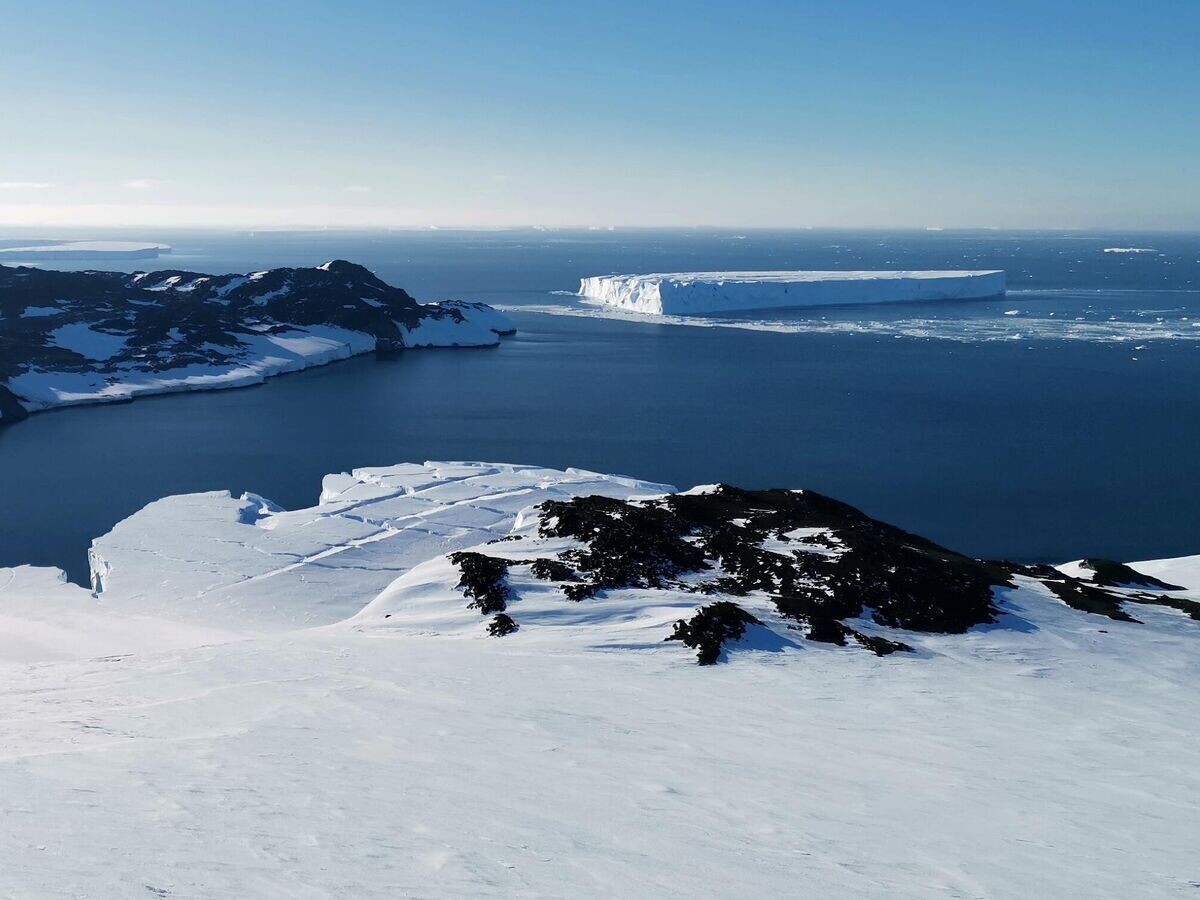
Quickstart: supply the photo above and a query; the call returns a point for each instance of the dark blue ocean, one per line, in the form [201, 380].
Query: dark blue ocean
[1062, 421]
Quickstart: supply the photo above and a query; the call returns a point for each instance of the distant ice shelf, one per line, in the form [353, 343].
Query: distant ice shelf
[86, 250]
[698, 293]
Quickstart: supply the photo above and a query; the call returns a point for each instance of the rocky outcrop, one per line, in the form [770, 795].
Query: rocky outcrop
[77, 337]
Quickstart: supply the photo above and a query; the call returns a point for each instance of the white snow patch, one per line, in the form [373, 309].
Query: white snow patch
[480, 314]
[233, 284]
[86, 341]
[479, 326]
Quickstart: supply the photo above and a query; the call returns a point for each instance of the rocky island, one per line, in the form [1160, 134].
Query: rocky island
[90, 337]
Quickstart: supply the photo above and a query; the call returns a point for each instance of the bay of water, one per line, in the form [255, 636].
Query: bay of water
[1062, 421]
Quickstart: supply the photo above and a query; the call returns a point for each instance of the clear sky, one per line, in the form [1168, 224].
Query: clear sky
[891, 113]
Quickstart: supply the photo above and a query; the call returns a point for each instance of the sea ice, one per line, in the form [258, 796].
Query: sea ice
[226, 330]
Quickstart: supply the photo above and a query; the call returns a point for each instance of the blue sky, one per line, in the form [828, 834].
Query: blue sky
[755, 113]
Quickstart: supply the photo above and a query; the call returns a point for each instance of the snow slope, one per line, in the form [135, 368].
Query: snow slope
[179, 736]
[245, 563]
[692, 293]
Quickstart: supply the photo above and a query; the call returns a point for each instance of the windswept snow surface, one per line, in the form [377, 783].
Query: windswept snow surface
[692, 293]
[88, 342]
[182, 735]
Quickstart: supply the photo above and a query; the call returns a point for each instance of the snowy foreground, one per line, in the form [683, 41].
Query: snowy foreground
[265, 703]
[694, 293]
[92, 337]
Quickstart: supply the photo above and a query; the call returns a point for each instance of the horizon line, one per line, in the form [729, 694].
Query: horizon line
[591, 228]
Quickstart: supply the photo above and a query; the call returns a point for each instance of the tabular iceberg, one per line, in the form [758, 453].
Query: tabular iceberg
[692, 293]
[87, 250]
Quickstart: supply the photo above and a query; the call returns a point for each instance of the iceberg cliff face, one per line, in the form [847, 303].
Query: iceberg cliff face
[695, 293]
[88, 337]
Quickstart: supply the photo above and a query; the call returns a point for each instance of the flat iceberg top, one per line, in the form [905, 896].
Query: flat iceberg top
[684, 293]
[689, 278]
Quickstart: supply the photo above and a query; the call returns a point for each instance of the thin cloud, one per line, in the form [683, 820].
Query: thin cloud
[356, 189]
[25, 185]
[141, 184]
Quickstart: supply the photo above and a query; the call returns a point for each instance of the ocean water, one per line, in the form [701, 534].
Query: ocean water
[1061, 421]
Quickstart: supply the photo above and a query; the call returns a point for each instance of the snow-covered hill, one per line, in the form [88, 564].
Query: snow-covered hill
[459, 679]
[88, 337]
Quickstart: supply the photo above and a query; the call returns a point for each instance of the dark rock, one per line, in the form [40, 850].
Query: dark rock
[1088, 598]
[628, 545]
[552, 570]
[881, 646]
[11, 409]
[855, 566]
[1114, 574]
[831, 631]
[711, 627]
[484, 580]
[904, 580]
[827, 630]
[501, 625]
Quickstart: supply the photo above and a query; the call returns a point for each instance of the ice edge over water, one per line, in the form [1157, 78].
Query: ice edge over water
[1008, 327]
